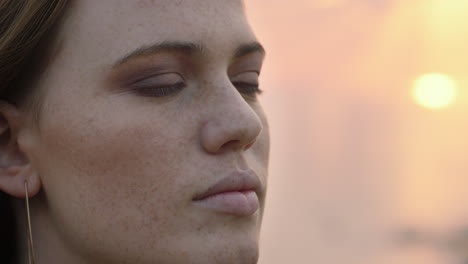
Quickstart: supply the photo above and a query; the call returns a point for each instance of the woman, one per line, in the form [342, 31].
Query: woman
[134, 129]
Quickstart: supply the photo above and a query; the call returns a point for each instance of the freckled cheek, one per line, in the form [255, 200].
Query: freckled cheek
[128, 176]
[132, 162]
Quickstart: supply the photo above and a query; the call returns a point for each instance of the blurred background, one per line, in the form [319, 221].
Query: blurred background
[367, 101]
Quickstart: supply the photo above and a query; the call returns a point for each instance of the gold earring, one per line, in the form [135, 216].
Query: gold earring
[31, 255]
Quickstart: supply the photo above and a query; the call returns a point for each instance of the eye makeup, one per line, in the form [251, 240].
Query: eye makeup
[244, 74]
[166, 74]
[247, 84]
[154, 76]
[160, 85]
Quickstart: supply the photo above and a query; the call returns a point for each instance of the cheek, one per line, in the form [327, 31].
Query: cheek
[115, 157]
[119, 169]
[261, 149]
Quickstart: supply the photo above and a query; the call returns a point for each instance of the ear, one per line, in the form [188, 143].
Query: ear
[15, 167]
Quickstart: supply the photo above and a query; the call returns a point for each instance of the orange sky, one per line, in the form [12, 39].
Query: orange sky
[354, 158]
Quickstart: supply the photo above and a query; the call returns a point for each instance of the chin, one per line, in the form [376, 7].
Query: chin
[224, 252]
[235, 243]
[225, 247]
[230, 253]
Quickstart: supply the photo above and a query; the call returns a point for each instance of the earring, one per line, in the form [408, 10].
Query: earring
[31, 255]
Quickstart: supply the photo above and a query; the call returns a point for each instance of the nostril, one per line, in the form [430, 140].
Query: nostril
[232, 144]
[249, 145]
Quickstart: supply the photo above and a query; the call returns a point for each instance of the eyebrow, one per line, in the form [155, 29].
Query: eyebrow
[186, 48]
[246, 49]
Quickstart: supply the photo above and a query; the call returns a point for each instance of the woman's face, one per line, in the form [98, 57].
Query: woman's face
[146, 106]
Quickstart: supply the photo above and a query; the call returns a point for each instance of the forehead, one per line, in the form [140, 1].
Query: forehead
[134, 15]
[109, 28]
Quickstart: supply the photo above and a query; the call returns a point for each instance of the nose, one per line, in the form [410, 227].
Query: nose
[232, 125]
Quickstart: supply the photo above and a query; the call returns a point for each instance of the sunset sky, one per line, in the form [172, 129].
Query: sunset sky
[367, 102]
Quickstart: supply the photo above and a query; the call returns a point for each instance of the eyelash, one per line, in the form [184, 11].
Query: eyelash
[247, 89]
[160, 91]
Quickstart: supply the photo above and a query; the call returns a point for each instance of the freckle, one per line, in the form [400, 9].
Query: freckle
[141, 4]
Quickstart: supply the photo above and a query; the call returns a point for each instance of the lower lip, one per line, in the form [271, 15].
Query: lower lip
[237, 203]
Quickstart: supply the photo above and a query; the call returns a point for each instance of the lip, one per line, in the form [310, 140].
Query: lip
[237, 194]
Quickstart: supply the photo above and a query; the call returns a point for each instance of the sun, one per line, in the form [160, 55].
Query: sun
[434, 90]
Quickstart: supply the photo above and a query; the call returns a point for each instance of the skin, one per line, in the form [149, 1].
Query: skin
[111, 168]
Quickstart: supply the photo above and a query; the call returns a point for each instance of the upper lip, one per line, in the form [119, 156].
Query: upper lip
[237, 181]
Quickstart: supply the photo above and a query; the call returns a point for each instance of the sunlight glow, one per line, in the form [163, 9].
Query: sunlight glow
[434, 90]
[445, 19]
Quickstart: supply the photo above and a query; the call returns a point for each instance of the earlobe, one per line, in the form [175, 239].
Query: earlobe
[15, 167]
[12, 181]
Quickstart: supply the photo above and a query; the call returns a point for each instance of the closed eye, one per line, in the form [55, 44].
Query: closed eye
[247, 84]
[160, 85]
[247, 88]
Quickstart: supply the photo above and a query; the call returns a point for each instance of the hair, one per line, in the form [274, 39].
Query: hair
[26, 27]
